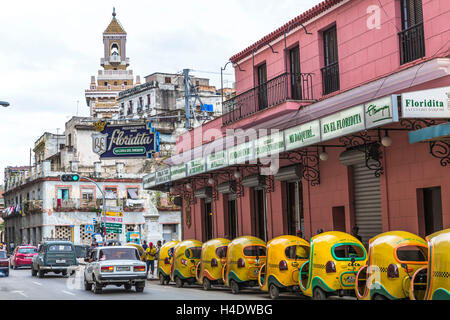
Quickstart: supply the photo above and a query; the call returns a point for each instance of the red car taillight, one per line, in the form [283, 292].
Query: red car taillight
[241, 263]
[107, 269]
[283, 265]
[392, 271]
[183, 261]
[330, 267]
[4, 263]
[214, 262]
[167, 261]
[139, 268]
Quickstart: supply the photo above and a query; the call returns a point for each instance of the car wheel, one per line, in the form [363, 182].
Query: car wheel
[64, 273]
[206, 284]
[7, 273]
[274, 292]
[14, 267]
[41, 273]
[379, 297]
[97, 287]
[234, 287]
[319, 294]
[33, 272]
[140, 287]
[127, 287]
[87, 285]
[162, 279]
[179, 282]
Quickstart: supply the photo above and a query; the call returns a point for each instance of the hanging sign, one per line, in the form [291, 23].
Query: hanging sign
[269, 145]
[196, 166]
[216, 160]
[178, 172]
[163, 176]
[342, 123]
[241, 153]
[432, 103]
[149, 180]
[303, 135]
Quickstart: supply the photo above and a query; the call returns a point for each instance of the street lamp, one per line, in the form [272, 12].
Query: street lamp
[4, 104]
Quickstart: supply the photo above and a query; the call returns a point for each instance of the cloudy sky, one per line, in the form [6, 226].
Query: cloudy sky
[49, 50]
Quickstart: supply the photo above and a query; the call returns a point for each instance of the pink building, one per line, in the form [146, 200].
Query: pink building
[348, 104]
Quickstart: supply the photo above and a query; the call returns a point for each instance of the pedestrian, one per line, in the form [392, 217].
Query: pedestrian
[158, 248]
[144, 245]
[355, 233]
[11, 247]
[150, 256]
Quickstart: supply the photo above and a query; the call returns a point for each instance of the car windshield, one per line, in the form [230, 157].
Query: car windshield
[194, 253]
[348, 251]
[297, 252]
[2, 254]
[412, 254]
[60, 247]
[27, 250]
[119, 254]
[255, 251]
[221, 252]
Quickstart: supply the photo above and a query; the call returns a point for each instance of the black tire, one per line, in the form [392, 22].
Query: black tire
[7, 273]
[379, 297]
[274, 292]
[167, 280]
[179, 282]
[33, 272]
[97, 287]
[87, 285]
[234, 287]
[14, 267]
[319, 294]
[140, 287]
[206, 284]
[41, 273]
[162, 279]
[64, 273]
[127, 286]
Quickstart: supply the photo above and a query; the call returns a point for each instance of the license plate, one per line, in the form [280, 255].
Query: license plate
[351, 279]
[60, 261]
[123, 268]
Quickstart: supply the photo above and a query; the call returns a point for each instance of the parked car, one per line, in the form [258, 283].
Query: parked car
[209, 269]
[4, 263]
[54, 256]
[22, 256]
[114, 266]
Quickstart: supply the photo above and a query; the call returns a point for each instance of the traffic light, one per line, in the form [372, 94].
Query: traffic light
[70, 177]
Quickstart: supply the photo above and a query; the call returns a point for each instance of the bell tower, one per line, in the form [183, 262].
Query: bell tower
[114, 43]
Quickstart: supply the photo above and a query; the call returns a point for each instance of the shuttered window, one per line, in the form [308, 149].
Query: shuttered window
[412, 13]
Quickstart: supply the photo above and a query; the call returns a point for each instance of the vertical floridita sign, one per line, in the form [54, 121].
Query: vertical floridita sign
[433, 103]
[125, 141]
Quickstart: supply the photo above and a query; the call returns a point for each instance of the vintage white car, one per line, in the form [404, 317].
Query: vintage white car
[114, 266]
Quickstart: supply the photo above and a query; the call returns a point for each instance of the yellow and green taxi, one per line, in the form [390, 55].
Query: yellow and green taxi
[432, 282]
[165, 261]
[245, 256]
[334, 260]
[187, 254]
[393, 258]
[285, 255]
[209, 269]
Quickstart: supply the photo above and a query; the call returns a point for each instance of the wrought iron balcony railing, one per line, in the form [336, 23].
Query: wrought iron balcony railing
[274, 92]
[412, 43]
[330, 78]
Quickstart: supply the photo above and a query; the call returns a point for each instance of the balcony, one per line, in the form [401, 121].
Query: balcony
[274, 92]
[70, 205]
[330, 78]
[133, 205]
[33, 206]
[412, 43]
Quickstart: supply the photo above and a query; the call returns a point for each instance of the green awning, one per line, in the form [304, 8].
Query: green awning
[438, 132]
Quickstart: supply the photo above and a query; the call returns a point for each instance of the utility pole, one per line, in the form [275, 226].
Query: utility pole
[186, 98]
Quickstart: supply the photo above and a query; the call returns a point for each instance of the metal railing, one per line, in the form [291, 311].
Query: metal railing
[412, 43]
[330, 78]
[274, 92]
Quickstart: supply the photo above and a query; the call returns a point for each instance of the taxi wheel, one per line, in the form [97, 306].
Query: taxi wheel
[127, 287]
[379, 297]
[33, 272]
[140, 287]
[274, 292]
[234, 287]
[319, 294]
[40, 273]
[206, 284]
[162, 279]
[178, 282]
[87, 285]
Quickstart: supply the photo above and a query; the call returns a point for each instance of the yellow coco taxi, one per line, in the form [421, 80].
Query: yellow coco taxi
[432, 282]
[187, 254]
[334, 260]
[165, 261]
[285, 255]
[141, 250]
[393, 258]
[209, 269]
[245, 256]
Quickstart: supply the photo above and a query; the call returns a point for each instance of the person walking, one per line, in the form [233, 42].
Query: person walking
[144, 245]
[150, 256]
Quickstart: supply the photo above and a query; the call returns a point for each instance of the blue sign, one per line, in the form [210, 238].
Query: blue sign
[125, 141]
[89, 228]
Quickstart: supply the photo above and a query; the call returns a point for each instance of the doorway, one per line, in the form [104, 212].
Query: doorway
[432, 210]
[260, 214]
[262, 87]
[207, 218]
[232, 230]
[294, 198]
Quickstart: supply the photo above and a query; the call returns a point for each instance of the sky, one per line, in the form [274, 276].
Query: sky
[50, 49]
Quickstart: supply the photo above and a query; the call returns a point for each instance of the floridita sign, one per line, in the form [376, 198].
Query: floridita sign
[125, 141]
[433, 103]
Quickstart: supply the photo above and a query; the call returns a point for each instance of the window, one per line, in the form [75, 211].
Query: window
[330, 72]
[87, 194]
[348, 251]
[27, 250]
[132, 193]
[412, 254]
[412, 42]
[167, 80]
[255, 251]
[119, 254]
[111, 193]
[221, 252]
[194, 253]
[114, 50]
[148, 100]
[63, 193]
[297, 252]
[60, 247]
[3, 255]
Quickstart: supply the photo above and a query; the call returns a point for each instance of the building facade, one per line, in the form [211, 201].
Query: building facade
[340, 119]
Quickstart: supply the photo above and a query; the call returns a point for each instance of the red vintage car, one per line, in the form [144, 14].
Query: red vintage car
[22, 256]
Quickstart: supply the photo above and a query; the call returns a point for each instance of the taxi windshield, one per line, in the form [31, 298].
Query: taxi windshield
[412, 254]
[118, 254]
[348, 251]
[221, 252]
[194, 253]
[297, 252]
[255, 251]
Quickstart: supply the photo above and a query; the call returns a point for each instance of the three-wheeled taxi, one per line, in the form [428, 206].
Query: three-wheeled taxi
[393, 258]
[165, 261]
[209, 269]
[187, 254]
[432, 282]
[285, 255]
[245, 256]
[334, 260]
[140, 249]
